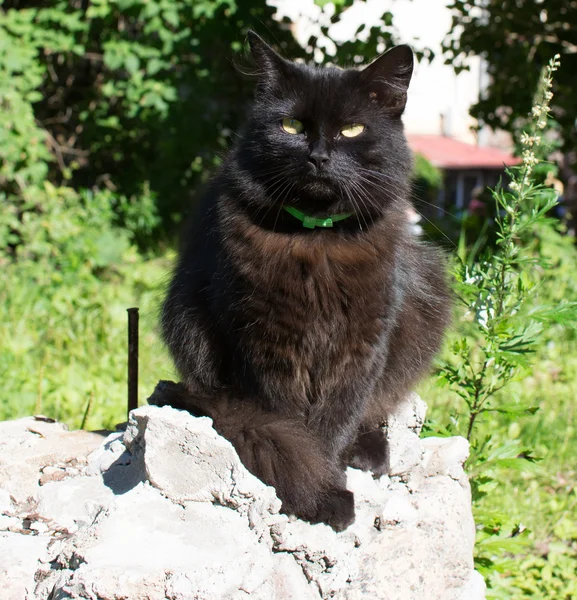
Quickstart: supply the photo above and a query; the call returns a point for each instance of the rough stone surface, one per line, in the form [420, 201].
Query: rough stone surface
[165, 509]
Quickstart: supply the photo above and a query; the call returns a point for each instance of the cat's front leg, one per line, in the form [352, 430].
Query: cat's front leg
[336, 419]
[369, 450]
[335, 422]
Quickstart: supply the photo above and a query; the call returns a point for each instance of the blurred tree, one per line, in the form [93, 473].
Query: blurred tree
[121, 94]
[516, 39]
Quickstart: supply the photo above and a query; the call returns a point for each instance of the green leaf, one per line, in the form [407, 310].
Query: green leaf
[132, 63]
[513, 409]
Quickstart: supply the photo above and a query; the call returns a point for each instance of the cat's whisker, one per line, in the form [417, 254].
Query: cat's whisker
[360, 191]
[277, 215]
[272, 175]
[356, 187]
[355, 207]
[451, 242]
[365, 194]
[277, 184]
[432, 223]
[436, 227]
[265, 215]
[412, 196]
[369, 197]
[279, 189]
[270, 208]
[266, 208]
[392, 184]
[285, 191]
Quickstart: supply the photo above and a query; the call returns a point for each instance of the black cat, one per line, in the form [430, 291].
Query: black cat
[303, 309]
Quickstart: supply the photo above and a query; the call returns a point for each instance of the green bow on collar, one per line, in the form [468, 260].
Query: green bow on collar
[312, 222]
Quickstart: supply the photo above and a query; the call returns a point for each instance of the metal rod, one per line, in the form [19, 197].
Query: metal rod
[132, 358]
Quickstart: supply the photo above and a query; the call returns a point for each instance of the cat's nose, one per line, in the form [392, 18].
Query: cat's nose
[318, 157]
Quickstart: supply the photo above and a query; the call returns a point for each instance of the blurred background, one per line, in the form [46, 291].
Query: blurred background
[114, 113]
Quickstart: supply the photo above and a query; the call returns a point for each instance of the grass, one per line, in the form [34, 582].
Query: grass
[64, 350]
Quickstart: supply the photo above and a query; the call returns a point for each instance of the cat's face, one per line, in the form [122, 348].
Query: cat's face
[327, 140]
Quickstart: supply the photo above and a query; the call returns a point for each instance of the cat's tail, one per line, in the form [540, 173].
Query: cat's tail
[278, 450]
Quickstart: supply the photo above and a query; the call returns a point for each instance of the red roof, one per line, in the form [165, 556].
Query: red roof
[448, 153]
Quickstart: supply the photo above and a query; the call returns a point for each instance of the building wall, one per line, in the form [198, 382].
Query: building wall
[439, 100]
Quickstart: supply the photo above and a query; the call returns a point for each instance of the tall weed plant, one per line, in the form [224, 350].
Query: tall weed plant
[504, 310]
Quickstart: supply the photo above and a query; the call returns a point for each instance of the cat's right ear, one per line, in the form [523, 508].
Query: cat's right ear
[271, 68]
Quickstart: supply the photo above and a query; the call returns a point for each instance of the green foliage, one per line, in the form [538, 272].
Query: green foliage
[507, 297]
[426, 171]
[61, 234]
[118, 93]
[122, 94]
[526, 504]
[69, 271]
[516, 38]
[495, 290]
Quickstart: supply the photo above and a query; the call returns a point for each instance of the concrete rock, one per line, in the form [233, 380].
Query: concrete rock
[19, 558]
[403, 435]
[445, 456]
[68, 505]
[136, 547]
[29, 446]
[167, 510]
[187, 460]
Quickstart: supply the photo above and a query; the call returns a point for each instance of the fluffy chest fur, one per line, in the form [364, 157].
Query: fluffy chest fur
[313, 309]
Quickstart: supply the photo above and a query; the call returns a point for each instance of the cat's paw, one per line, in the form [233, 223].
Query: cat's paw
[370, 452]
[337, 510]
[168, 393]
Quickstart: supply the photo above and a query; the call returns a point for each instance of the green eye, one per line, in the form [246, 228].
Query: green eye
[292, 126]
[352, 130]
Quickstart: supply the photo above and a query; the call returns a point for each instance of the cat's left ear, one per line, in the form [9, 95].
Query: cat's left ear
[271, 66]
[387, 78]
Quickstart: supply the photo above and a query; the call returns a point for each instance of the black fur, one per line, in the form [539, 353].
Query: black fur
[299, 342]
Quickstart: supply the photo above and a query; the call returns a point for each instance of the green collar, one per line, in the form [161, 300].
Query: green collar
[312, 222]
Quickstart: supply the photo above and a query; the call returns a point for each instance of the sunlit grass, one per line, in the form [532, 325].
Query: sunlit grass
[64, 350]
